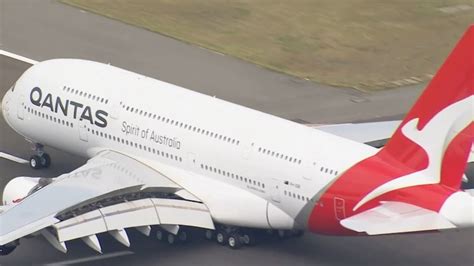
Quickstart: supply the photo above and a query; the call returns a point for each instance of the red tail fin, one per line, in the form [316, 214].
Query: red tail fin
[453, 83]
[430, 147]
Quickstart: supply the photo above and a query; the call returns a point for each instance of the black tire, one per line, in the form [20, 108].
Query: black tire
[35, 162]
[221, 238]
[183, 236]
[249, 238]
[282, 234]
[298, 233]
[209, 234]
[45, 160]
[5, 250]
[170, 239]
[234, 241]
[160, 235]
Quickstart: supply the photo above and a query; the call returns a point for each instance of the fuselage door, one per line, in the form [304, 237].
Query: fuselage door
[339, 208]
[115, 111]
[21, 107]
[191, 160]
[83, 130]
[275, 190]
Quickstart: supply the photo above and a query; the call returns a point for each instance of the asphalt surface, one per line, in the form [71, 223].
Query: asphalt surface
[46, 29]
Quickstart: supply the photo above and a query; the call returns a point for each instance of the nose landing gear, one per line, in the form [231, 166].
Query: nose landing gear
[41, 159]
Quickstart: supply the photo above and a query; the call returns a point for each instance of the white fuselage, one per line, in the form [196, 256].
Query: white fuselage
[207, 145]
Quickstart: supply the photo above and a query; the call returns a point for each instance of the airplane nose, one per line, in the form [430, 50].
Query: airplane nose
[4, 106]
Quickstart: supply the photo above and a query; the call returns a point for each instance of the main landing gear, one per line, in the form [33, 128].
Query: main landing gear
[170, 238]
[235, 237]
[41, 159]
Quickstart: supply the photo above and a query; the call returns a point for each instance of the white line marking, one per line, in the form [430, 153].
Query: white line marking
[18, 57]
[13, 158]
[89, 259]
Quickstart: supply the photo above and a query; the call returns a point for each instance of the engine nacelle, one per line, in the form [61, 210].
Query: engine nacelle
[20, 187]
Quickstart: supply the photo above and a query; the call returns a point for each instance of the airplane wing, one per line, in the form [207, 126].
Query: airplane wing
[107, 194]
[375, 133]
[396, 217]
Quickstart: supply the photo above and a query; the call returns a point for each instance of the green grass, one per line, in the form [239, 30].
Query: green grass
[354, 43]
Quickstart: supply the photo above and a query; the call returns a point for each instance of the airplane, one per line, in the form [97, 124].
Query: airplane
[164, 156]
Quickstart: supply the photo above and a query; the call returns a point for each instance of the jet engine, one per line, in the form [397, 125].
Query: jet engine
[21, 187]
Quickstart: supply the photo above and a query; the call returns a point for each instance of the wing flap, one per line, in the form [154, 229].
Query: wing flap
[130, 214]
[81, 226]
[183, 213]
[138, 213]
[396, 217]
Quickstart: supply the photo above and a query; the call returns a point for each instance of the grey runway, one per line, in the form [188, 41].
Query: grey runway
[47, 29]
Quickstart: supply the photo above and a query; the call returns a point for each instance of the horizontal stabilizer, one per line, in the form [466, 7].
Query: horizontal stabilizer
[470, 191]
[396, 217]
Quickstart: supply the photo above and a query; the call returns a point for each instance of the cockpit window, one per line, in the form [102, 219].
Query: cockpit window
[13, 87]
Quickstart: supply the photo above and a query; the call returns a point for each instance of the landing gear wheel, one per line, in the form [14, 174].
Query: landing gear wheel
[5, 250]
[171, 239]
[221, 238]
[298, 233]
[282, 234]
[35, 162]
[183, 236]
[209, 234]
[249, 239]
[160, 235]
[234, 241]
[45, 160]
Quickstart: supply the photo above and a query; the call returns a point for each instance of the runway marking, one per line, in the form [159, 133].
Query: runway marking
[92, 258]
[18, 57]
[13, 158]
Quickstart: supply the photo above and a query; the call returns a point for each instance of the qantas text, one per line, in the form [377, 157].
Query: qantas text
[68, 108]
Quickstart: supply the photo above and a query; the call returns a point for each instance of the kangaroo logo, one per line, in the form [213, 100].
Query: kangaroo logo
[434, 139]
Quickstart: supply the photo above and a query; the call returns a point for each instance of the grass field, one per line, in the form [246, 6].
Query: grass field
[366, 44]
